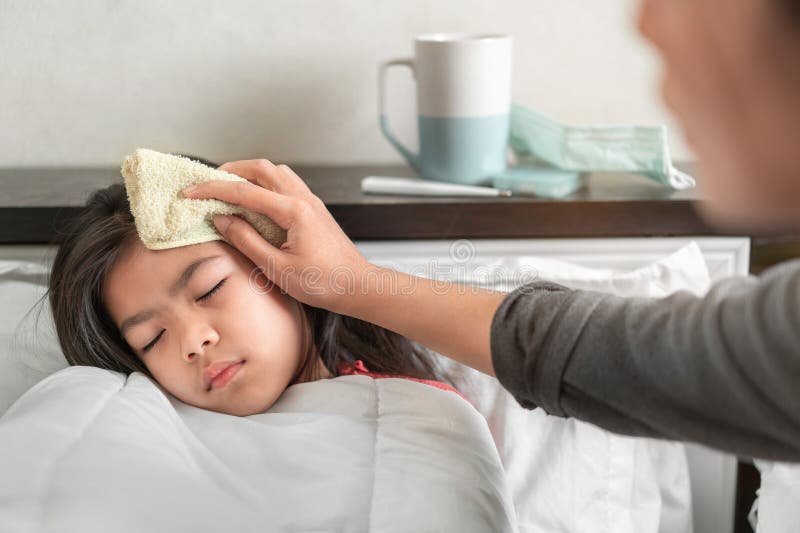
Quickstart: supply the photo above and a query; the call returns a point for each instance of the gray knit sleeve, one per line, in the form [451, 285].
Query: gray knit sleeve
[722, 370]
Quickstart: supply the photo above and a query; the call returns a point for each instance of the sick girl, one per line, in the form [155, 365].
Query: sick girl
[202, 320]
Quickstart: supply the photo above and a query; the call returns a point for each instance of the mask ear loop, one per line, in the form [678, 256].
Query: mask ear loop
[677, 178]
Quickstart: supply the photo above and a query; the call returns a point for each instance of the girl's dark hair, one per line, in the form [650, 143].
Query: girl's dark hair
[87, 249]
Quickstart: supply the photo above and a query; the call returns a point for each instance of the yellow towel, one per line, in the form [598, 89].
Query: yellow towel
[164, 218]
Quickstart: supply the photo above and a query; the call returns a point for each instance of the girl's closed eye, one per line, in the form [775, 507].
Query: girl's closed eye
[152, 343]
[202, 298]
[212, 291]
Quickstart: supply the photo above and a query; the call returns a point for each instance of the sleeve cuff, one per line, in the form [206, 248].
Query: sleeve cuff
[532, 336]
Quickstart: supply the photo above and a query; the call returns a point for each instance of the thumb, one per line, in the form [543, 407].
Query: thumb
[241, 235]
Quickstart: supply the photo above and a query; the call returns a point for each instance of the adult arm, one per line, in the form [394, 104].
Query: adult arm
[722, 370]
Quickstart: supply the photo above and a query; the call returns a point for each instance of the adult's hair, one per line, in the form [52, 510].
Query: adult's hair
[90, 244]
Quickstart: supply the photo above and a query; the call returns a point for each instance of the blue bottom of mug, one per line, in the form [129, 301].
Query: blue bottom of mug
[468, 150]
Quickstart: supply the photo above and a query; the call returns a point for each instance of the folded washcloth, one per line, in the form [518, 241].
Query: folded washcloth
[164, 218]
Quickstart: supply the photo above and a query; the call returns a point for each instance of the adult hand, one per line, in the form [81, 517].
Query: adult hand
[317, 254]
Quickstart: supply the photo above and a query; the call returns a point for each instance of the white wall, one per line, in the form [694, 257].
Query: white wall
[83, 82]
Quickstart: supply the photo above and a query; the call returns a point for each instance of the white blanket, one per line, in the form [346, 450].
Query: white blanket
[89, 450]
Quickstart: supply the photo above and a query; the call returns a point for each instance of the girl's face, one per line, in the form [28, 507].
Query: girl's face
[207, 325]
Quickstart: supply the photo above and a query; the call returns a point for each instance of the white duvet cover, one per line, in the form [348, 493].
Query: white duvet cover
[87, 450]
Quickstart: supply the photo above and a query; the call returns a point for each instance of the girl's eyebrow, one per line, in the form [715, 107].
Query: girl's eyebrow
[174, 289]
[187, 273]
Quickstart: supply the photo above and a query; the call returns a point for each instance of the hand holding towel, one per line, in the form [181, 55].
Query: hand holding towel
[164, 218]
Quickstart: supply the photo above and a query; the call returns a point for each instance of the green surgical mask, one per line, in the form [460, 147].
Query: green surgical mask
[643, 150]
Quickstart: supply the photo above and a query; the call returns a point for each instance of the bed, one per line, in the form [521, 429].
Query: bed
[103, 452]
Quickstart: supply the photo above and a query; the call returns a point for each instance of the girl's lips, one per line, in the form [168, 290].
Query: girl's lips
[225, 376]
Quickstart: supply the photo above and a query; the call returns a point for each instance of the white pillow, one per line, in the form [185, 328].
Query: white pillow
[570, 476]
[776, 509]
[29, 349]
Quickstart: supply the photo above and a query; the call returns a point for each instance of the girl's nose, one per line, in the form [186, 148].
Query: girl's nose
[198, 342]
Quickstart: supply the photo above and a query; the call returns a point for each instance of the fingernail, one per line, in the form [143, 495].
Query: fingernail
[189, 190]
[222, 222]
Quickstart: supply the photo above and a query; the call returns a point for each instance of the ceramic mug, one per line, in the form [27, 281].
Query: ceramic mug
[464, 100]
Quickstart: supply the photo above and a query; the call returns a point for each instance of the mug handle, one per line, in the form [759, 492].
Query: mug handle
[411, 157]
